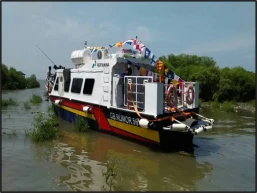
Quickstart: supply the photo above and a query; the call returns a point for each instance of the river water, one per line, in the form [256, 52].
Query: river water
[224, 159]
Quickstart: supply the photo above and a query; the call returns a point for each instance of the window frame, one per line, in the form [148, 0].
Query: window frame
[71, 87]
[92, 87]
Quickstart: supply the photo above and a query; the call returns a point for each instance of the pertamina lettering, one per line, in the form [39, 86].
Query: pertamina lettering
[124, 119]
[102, 64]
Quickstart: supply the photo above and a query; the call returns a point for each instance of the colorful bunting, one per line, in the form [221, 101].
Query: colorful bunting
[147, 53]
[128, 42]
[153, 60]
[139, 47]
[119, 44]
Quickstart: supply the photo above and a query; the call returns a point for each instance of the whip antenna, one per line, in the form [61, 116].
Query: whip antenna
[46, 55]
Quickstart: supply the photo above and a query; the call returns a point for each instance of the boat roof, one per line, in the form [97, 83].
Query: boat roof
[139, 54]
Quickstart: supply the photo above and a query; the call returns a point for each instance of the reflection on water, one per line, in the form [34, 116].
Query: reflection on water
[85, 156]
[224, 159]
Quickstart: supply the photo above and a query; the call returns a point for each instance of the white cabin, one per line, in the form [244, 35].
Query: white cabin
[98, 80]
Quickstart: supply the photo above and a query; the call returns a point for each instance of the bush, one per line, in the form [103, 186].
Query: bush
[8, 102]
[109, 175]
[215, 105]
[44, 128]
[31, 82]
[252, 103]
[80, 125]
[227, 106]
[26, 105]
[36, 99]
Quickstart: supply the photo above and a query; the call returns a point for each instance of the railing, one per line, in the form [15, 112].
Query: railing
[138, 91]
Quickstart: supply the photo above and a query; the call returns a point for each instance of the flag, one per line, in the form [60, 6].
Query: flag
[153, 60]
[155, 76]
[118, 44]
[176, 77]
[128, 42]
[166, 80]
[159, 65]
[139, 46]
[147, 53]
[134, 41]
[142, 71]
[170, 74]
[138, 67]
[94, 50]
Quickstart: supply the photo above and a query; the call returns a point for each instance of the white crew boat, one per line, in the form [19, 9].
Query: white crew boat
[132, 106]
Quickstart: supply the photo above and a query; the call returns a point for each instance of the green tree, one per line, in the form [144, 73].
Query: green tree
[13, 79]
[215, 84]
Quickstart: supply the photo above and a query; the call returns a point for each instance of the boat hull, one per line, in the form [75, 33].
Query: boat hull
[124, 124]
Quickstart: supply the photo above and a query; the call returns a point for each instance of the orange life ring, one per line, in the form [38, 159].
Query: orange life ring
[188, 99]
[174, 103]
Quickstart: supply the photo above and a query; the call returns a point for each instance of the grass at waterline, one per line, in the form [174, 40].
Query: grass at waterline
[8, 102]
[44, 127]
[225, 106]
[109, 175]
[252, 103]
[36, 99]
[229, 106]
[80, 125]
[26, 105]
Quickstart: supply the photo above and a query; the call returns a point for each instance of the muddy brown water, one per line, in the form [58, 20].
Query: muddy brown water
[224, 159]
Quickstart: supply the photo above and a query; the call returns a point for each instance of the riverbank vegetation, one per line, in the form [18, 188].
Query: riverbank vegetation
[216, 84]
[26, 105]
[44, 127]
[110, 175]
[35, 99]
[13, 79]
[80, 125]
[8, 102]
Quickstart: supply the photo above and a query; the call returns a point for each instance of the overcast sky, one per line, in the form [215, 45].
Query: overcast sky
[224, 31]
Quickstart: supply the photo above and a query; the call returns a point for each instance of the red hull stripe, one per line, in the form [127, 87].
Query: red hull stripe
[96, 111]
[130, 135]
[98, 115]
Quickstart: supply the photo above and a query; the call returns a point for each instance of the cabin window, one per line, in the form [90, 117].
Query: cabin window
[56, 84]
[67, 80]
[66, 86]
[76, 85]
[89, 85]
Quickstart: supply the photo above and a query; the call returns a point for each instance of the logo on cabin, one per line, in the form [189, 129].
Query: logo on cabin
[93, 65]
[100, 65]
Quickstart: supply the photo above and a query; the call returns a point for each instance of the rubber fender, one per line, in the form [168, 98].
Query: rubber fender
[190, 122]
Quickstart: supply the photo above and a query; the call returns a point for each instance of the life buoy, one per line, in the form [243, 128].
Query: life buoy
[174, 90]
[188, 99]
[99, 54]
